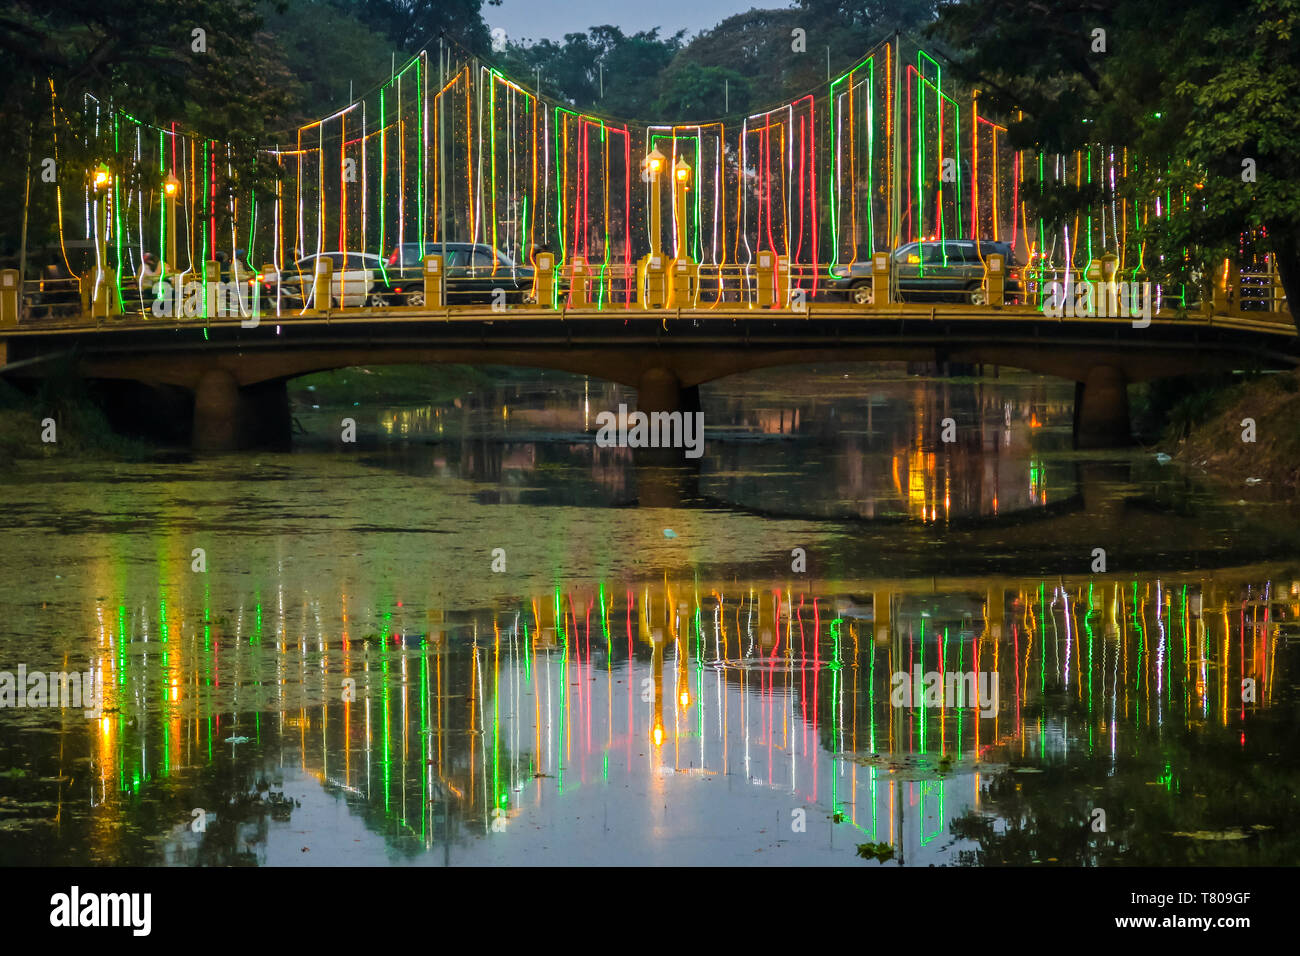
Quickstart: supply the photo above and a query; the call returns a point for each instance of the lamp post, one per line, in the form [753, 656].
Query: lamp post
[682, 284]
[171, 189]
[651, 270]
[652, 168]
[683, 178]
[101, 180]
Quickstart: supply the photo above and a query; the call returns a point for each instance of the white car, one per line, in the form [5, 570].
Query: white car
[353, 284]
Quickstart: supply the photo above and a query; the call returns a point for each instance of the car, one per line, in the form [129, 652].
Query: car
[934, 269]
[474, 271]
[357, 281]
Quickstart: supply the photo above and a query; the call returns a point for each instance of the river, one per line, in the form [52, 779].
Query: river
[474, 636]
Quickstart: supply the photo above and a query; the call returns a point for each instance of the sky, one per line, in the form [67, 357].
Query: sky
[551, 19]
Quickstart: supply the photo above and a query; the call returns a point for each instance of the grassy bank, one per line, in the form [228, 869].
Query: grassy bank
[81, 430]
[1204, 430]
[394, 384]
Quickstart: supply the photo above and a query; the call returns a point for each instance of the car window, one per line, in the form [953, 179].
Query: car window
[481, 259]
[932, 253]
[1002, 249]
[358, 261]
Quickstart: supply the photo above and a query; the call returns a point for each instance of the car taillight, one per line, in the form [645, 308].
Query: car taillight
[392, 260]
[398, 289]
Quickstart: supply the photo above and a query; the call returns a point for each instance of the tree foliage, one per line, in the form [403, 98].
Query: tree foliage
[1192, 89]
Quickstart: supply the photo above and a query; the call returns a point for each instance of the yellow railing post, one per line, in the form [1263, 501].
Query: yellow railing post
[1227, 289]
[681, 295]
[322, 285]
[994, 279]
[8, 297]
[783, 281]
[434, 282]
[544, 279]
[652, 282]
[763, 278]
[578, 285]
[881, 263]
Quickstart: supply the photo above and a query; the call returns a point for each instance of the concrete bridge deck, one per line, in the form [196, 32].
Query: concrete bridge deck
[236, 373]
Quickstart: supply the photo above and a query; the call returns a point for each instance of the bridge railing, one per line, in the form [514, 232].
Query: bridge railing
[51, 299]
[1261, 292]
[766, 283]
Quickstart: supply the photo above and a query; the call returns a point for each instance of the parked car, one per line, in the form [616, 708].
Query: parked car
[473, 271]
[951, 269]
[357, 281]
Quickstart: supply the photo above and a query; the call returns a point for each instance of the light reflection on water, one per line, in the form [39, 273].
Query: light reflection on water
[618, 695]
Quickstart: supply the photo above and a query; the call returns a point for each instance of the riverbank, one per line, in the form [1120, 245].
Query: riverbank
[1211, 429]
[62, 410]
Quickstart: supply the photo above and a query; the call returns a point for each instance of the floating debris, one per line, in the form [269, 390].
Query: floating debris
[1234, 833]
[876, 851]
[236, 740]
[669, 533]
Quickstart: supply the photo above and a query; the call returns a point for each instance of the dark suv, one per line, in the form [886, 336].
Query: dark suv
[473, 273]
[935, 270]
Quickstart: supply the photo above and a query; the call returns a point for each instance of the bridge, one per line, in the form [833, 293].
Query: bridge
[399, 229]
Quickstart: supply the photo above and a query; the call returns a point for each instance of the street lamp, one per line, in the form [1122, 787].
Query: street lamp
[98, 299]
[651, 168]
[172, 190]
[683, 178]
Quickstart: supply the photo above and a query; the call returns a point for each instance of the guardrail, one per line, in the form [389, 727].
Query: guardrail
[767, 282]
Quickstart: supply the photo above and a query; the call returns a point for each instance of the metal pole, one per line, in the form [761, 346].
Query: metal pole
[897, 146]
[442, 164]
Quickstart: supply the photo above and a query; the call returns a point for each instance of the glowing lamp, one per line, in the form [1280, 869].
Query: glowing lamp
[653, 164]
[101, 176]
[171, 186]
[682, 173]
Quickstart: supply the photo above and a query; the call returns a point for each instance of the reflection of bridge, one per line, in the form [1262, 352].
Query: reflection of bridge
[665, 255]
[480, 715]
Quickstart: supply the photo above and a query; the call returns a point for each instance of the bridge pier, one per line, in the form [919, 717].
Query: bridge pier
[229, 418]
[660, 390]
[1101, 409]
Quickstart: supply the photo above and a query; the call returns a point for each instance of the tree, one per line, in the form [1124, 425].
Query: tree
[703, 91]
[628, 66]
[411, 23]
[1193, 89]
[142, 55]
